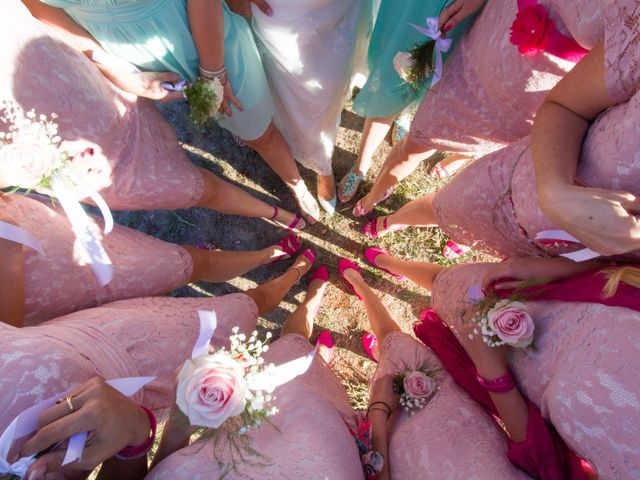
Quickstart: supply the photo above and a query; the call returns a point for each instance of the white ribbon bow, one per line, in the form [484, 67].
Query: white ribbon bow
[96, 256]
[19, 235]
[560, 235]
[442, 45]
[267, 380]
[27, 422]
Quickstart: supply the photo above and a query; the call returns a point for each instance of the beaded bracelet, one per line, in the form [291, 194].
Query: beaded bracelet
[501, 384]
[213, 73]
[137, 451]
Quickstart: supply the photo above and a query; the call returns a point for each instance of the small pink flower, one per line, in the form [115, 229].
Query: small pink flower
[530, 30]
[418, 385]
[211, 389]
[511, 323]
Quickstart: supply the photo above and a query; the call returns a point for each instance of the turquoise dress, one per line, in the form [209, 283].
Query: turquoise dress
[154, 35]
[385, 93]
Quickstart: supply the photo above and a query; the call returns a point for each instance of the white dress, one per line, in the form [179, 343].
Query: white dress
[311, 50]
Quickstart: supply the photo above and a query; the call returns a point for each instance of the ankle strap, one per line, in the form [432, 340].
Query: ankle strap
[297, 269]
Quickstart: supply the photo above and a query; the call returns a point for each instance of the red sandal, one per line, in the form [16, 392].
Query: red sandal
[298, 222]
[371, 253]
[289, 245]
[344, 264]
[370, 229]
[369, 342]
[358, 211]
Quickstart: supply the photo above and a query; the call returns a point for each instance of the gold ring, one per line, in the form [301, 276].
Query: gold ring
[69, 403]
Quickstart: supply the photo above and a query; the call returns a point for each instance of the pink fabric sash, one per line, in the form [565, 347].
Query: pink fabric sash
[533, 31]
[543, 454]
[584, 287]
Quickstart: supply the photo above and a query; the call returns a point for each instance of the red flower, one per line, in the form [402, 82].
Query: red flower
[531, 29]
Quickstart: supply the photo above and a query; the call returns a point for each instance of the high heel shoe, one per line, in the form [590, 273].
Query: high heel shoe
[370, 229]
[296, 224]
[289, 245]
[359, 211]
[321, 273]
[371, 253]
[343, 265]
[326, 340]
[308, 206]
[369, 342]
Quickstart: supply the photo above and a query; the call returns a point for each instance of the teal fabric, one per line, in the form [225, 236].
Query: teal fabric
[385, 93]
[154, 35]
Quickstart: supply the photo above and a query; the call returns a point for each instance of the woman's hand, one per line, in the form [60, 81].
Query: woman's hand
[603, 220]
[228, 99]
[112, 420]
[146, 84]
[454, 14]
[489, 361]
[532, 268]
[243, 7]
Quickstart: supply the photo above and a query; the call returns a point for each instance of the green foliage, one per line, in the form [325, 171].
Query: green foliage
[421, 63]
[202, 99]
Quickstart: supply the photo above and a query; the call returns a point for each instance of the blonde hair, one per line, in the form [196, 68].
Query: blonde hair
[615, 275]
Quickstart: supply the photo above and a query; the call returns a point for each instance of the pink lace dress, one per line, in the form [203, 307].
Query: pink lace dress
[489, 92]
[492, 205]
[142, 165]
[59, 282]
[451, 437]
[313, 440]
[582, 372]
[140, 337]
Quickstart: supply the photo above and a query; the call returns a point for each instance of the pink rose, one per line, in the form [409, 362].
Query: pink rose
[211, 388]
[418, 385]
[511, 323]
[530, 30]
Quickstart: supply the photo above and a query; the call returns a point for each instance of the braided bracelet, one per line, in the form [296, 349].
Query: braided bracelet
[137, 451]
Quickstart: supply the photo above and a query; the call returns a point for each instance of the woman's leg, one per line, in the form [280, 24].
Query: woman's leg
[269, 295]
[326, 187]
[403, 159]
[273, 148]
[381, 321]
[417, 213]
[301, 320]
[219, 265]
[225, 197]
[375, 129]
[422, 273]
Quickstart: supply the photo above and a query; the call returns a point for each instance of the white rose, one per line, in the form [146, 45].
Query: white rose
[25, 164]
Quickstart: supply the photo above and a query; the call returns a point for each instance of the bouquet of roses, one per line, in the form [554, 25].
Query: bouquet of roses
[416, 387]
[31, 156]
[227, 392]
[502, 321]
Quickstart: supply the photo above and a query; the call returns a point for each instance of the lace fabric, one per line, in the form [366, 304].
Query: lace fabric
[581, 372]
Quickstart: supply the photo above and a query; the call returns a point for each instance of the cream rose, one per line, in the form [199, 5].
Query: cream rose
[211, 389]
[418, 385]
[24, 164]
[402, 64]
[511, 323]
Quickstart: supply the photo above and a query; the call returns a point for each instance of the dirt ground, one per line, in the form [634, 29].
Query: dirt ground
[342, 314]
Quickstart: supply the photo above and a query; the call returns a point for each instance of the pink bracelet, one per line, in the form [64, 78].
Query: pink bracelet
[137, 451]
[501, 384]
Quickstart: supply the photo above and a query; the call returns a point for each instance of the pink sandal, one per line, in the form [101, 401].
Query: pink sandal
[369, 342]
[370, 253]
[290, 245]
[452, 250]
[344, 264]
[298, 222]
[358, 211]
[321, 273]
[370, 229]
[325, 339]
